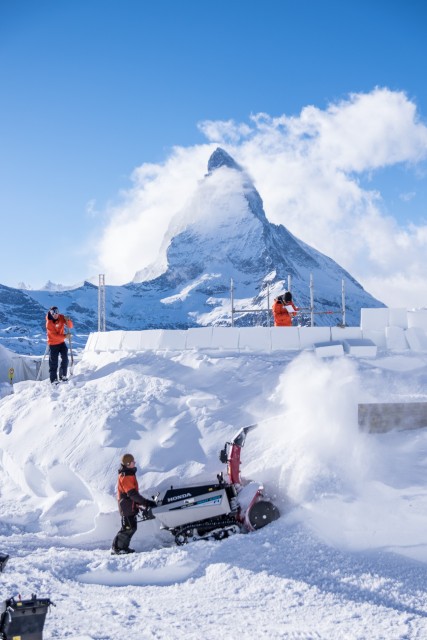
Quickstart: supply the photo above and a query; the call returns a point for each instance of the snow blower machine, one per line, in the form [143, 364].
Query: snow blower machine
[214, 511]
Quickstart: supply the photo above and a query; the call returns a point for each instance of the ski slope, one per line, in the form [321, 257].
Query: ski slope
[347, 559]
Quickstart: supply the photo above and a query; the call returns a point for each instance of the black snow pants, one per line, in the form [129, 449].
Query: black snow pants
[54, 351]
[124, 536]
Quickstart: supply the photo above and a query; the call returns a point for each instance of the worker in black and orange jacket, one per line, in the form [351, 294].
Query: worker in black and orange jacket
[56, 324]
[129, 500]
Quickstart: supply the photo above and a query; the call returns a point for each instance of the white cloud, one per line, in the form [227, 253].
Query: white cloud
[407, 197]
[134, 233]
[306, 170]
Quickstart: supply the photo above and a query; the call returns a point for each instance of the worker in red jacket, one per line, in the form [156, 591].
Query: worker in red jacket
[282, 315]
[129, 500]
[56, 324]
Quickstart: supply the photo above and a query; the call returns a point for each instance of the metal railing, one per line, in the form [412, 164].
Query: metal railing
[301, 310]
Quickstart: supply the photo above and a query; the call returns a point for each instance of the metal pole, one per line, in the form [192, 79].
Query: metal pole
[101, 302]
[343, 302]
[39, 374]
[268, 305]
[312, 300]
[232, 301]
[289, 282]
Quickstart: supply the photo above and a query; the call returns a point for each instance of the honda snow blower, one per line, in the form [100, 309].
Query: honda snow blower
[214, 511]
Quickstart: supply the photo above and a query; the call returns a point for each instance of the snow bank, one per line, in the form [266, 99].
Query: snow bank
[339, 491]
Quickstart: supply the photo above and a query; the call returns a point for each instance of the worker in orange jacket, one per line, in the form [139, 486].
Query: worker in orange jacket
[129, 500]
[282, 317]
[56, 324]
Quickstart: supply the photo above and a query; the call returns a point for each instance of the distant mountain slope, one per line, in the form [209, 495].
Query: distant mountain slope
[223, 234]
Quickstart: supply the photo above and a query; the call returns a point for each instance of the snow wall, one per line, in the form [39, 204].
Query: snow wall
[384, 329]
[381, 329]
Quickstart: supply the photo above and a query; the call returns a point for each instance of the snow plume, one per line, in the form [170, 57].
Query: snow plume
[137, 225]
[315, 442]
[307, 169]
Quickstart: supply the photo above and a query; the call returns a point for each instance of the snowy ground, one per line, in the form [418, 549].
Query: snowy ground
[347, 559]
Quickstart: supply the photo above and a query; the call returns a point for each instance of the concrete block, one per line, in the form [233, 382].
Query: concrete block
[398, 318]
[254, 339]
[377, 337]
[374, 319]
[383, 417]
[328, 349]
[199, 338]
[395, 339]
[173, 340]
[417, 318]
[416, 338]
[362, 348]
[342, 333]
[309, 335]
[225, 338]
[284, 338]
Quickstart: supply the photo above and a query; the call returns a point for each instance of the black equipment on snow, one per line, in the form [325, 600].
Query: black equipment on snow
[23, 619]
[4, 557]
[218, 510]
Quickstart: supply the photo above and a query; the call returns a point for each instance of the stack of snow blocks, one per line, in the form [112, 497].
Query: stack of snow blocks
[381, 329]
[395, 329]
[345, 341]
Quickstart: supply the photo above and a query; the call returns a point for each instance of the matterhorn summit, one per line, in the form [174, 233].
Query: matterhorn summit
[221, 236]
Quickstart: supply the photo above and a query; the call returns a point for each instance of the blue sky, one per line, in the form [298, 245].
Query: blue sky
[93, 89]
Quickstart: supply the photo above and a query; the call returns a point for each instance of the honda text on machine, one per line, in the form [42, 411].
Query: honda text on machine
[215, 511]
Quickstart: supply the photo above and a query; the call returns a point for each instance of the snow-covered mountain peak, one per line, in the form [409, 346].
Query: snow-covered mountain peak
[221, 158]
[221, 235]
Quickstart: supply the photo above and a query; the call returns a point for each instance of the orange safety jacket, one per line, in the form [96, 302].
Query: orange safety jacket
[55, 329]
[128, 495]
[281, 316]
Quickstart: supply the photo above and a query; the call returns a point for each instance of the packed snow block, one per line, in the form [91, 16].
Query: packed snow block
[284, 338]
[328, 349]
[254, 339]
[377, 337]
[173, 340]
[398, 318]
[226, 338]
[360, 347]
[395, 339]
[199, 338]
[416, 338]
[109, 341]
[132, 341]
[417, 318]
[147, 340]
[91, 342]
[308, 336]
[374, 319]
[342, 333]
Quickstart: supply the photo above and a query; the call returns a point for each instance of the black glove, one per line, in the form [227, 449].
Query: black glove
[149, 504]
